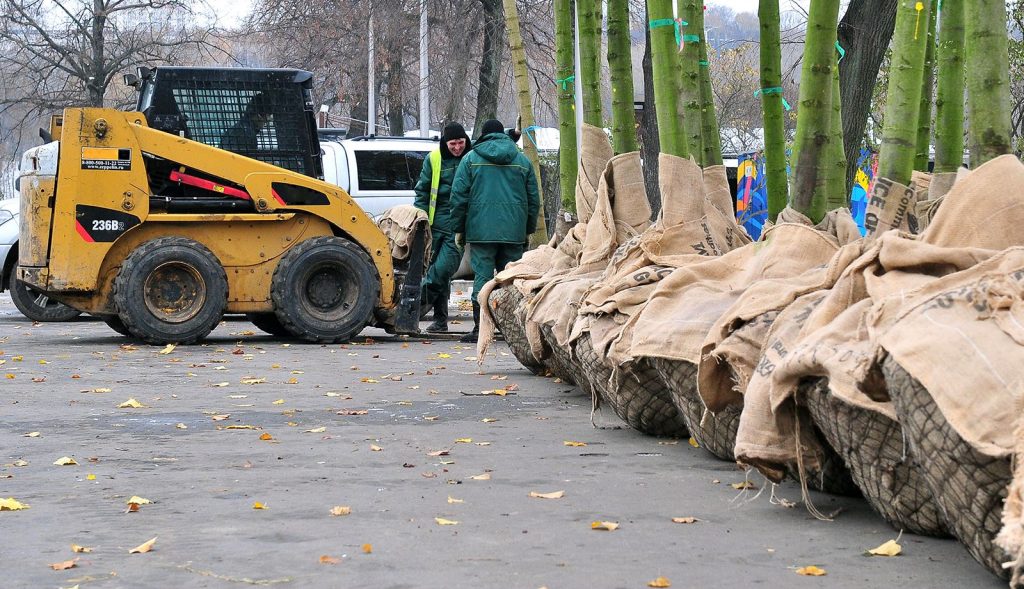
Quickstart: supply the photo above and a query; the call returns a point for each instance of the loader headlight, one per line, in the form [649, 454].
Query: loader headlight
[5, 216]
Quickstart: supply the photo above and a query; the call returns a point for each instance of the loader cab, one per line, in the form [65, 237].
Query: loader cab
[263, 114]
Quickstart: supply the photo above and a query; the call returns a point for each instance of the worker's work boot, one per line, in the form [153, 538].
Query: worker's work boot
[471, 337]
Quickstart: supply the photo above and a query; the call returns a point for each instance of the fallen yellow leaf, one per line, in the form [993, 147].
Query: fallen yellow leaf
[17, 358]
[367, 548]
[369, 380]
[316, 430]
[65, 461]
[240, 427]
[684, 520]
[375, 448]
[12, 504]
[292, 380]
[181, 426]
[661, 582]
[482, 477]
[167, 350]
[341, 510]
[77, 548]
[464, 441]
[329, 560]
[265, 436]
[100, 390]
[445, 522]
[277, 402]
[442, 355]
[453, 500]
[694, 443]
[573, 444]
[10, 376]
[253, 380]
[609, 526]
[890, 548]
[488, 420]
[62, 566]
[220, 417]
[138, 500]
[130, 404]
[32, 435]
[745, 485]
[90, 477]
[431, 417]
[438, 453]
[811, 571]
[258, 505]
[552, 495]
[143, 548]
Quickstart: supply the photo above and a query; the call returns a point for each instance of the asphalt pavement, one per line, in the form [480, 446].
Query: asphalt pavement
[244, 445]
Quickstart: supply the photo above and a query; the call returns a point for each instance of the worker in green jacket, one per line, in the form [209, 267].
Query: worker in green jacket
[494, 204]
[432, 193]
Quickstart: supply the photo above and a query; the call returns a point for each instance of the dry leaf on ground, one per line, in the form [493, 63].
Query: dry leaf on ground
[138, 500]
[144, 547]
[265, 436]
[445, 522]
[316, 430]
[65, 461]
[258, 505]
[77, 548]
[661, 582]
[341, 510]
[167, 349]
[609, 526]
[11, 504]
[325, 559]
[130, 404]
[890, 548]
[253, 380]
[62, 566]
[375, 448]
[277, 402]
[181, 426]
[684, 520]
[453, 500]
[464, 441]
[31, 435]
[811, 571]
[488, 420]
[573, 444]
[439, 453]
[552, 495]
[744, 486]
[482, 477]
[367, 548]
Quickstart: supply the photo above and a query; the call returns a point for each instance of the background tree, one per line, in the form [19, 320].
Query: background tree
[924, 115]
[666, 83]
[588, 14]
[949, 98]
[566, 75]
[690, 98]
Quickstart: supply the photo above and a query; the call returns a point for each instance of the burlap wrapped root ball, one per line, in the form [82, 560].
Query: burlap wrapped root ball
[715, 432]
[881, 465]
[508, 306]
[636, 394]
[968, 486]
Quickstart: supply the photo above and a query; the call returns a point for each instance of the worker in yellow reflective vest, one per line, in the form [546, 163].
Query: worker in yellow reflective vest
[432, 192]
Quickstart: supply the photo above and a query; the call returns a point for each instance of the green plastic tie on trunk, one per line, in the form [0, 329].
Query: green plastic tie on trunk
[675, 23]
[703, 63]
[842, 52]
[566, 81]
[773, 90]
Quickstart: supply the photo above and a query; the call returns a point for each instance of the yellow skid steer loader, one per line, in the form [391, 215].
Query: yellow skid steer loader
[207, 200]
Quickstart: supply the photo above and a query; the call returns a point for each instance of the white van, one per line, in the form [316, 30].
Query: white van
[379, 172]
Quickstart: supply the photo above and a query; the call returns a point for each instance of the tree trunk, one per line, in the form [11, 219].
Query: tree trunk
[396, 110]
[924, 115]
[98, 49]
[771, 101]
[903, 101]
[690, 98]
[949, 100]
[589, 15]
[521, 73]
[568, 158]
[711, 139]
[490, 64]
[620, 68]
[814, 121]
[866, 29]
[649, 142]
[666, 83]
[837, 195]
[454, 106]
[988, 80]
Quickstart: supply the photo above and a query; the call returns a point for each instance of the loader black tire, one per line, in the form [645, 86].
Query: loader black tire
[36, 305]
[325, 290]
[114, 322]
[269, 323]
[171, 290]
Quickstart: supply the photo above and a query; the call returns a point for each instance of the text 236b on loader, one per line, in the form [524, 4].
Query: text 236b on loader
[207, 200]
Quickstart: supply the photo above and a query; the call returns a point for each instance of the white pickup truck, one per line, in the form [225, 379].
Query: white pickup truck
[379, 172]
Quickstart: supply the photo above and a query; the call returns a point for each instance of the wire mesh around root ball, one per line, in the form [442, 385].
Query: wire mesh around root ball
[968, 486]
[508, 306]
[636, 394]
[558, 360]
[715, 432]
[881, 465]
